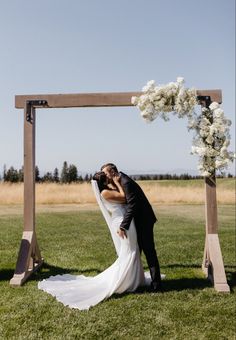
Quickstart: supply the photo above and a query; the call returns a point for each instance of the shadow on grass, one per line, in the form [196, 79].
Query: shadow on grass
[180, 265]
[46, 271]
[185, 283]
[231, 276]
[180, 284]
[173, 285]
[6, 274]
[176, 285]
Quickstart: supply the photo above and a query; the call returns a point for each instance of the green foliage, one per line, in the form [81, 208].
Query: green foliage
[69, 173]
[64, 173]
[79, 243]
[11, 175]
[48, 177]
[56, 175]
[37, 175]
[72, 173]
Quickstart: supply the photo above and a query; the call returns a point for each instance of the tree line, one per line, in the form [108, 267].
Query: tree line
[166, 176]
[69, 174]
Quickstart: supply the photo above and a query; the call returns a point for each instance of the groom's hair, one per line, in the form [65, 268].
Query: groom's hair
[110, 166]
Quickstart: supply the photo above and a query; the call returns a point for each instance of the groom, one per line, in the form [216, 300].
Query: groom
[139, 209]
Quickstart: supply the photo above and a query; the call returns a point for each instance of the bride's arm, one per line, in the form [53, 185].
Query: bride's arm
[115, 195]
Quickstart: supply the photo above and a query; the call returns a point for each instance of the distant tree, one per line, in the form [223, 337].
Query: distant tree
[64, 173]
[56, 175]
[37, 176]
[21, 174]
[4, 172]
[12, 175]
[72, 173]
[48, 177]
[80, 179]
[230, 175]
[87, 178]
[184, 176]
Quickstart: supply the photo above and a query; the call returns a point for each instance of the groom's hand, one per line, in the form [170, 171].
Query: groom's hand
[122, 233]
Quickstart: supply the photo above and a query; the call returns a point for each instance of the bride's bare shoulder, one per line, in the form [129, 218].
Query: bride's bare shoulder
[107, 194]
[113, 195]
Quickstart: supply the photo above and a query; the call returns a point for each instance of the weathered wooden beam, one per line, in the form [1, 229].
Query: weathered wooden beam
[216, 264]
[96, 99]
[211, 205]
[213, 265]
[29, 168]
[29, 259]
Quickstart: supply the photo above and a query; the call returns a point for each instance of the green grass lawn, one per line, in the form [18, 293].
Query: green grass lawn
[79, 243]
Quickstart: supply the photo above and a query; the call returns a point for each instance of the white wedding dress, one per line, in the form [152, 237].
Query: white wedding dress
[124, 275]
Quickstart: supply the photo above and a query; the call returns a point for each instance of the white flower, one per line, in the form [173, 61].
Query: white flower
[180, 80]
[150, 86]
[209, 139]
[134, 100]
[214, 106]
[221, 163]
[219, 113]
[206, 174]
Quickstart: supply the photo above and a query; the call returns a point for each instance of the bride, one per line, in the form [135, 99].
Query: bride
[124, 275]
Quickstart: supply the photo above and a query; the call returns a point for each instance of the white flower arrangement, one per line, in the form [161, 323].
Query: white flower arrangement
[211, 140]
[211, 127]
[159, 100]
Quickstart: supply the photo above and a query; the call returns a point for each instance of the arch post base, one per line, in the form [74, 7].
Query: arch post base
[29, 259]
[213, 265]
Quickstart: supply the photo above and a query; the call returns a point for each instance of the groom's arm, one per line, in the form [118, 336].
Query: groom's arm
[131, 204]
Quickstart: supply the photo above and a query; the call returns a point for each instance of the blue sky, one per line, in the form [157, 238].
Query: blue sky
[110, 46]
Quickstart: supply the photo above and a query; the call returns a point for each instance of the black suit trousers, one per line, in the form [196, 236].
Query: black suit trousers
[146, 244]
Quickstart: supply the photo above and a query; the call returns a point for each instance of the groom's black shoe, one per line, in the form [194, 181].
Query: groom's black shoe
[156, 287]
[156, 284]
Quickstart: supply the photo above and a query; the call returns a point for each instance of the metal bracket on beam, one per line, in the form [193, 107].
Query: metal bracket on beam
[204, 101]
[34, 103]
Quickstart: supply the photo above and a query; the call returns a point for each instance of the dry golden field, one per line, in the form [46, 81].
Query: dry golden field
[158, 192]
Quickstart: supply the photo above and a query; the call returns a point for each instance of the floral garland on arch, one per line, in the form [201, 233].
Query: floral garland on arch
[211, 127]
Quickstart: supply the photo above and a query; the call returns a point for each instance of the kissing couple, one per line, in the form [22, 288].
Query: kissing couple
[130, 219]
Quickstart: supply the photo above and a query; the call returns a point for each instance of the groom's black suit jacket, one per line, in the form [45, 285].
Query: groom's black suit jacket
[138, 206]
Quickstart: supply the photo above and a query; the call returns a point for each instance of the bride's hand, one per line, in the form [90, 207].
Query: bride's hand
[122, 233]
[116, 179]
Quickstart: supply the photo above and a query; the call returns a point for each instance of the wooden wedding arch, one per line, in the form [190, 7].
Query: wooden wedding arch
[29, 257]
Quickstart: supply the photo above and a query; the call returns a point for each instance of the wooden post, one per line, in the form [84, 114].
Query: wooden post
[213, 265]
[29, 257]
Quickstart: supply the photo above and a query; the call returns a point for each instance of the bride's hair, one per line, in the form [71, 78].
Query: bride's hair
[110, 166]
[101, 179]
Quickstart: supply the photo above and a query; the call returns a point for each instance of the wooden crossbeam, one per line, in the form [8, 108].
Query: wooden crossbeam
[96, 99]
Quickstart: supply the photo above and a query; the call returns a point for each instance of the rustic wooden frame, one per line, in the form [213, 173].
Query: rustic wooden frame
[29, 258]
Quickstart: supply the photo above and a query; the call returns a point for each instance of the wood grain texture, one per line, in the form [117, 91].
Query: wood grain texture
[96, 99]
